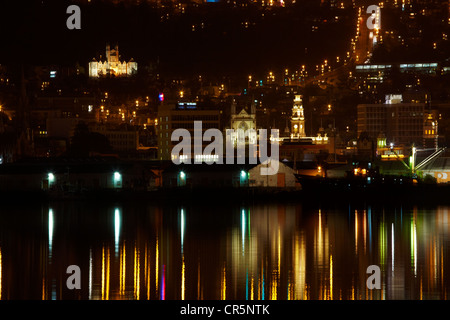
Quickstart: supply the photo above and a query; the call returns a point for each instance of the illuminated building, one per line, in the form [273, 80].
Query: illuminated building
[403, 123]
[284, 177]
[182, 116]
[112, 66]
[377, 73]
[298, 119]
[430, 130]
[243, 121]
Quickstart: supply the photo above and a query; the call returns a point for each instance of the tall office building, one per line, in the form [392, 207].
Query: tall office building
[401, 123]
[182, 115]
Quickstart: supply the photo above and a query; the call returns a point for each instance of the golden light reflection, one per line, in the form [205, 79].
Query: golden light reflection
[183, 279]
[147, 270]
[122, 266]
[105, 273]
[287, 256]
[157, 265]
[300, 267]
[274, 285]
[43, 288]
[331, 277]
[279, 252]
[252, 292]
[223, 283]
[319, 243]
[108, 273]
[137, 268]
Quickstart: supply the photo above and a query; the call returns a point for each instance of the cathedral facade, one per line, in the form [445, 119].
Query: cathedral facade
[243, 120]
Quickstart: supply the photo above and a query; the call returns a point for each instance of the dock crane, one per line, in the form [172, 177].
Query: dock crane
[415, 168]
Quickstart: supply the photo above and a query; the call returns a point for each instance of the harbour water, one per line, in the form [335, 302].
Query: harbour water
[256, 251]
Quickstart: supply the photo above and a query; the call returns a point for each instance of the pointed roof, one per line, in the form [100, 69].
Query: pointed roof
[243, 112]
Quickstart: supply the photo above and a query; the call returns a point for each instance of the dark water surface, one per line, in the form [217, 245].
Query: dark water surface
[267, 251]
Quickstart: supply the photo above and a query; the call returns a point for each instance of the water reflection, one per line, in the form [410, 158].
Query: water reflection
[258, 252]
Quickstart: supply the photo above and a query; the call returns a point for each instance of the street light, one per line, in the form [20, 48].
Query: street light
[244, 178]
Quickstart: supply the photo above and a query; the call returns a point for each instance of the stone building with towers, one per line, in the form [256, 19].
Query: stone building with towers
[243, 120]
[112, 66]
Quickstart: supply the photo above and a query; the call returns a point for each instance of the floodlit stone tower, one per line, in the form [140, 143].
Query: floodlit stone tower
[297, 119]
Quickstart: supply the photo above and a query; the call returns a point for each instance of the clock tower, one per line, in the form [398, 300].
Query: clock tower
[297, 119]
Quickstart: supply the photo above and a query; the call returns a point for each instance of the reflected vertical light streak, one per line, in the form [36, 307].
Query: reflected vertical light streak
[147, 270]
[50, 232]
[246, 284]
[51, 224]
[356, 230]
[182, 229]
[365, 229]
[157, 266]
[137, 268]
[319, 243]
[289, 289]
[183, 280]
[263, 284]
[122, 266]
[392, 246]
[415, 248]
[108, 273]
[331, 277]
[43, 297]
[279, 252]
[382, 242]
[117, 223]
[90, 274]
[300, 286]
[243, 230]
[274, 287]
[413, 231]
[103, 273]
[252, 290]
[442, 272]
[163, 285]
[223, 284]
[369, 220]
